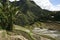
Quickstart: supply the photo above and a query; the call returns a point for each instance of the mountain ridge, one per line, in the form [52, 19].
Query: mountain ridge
[31, 13]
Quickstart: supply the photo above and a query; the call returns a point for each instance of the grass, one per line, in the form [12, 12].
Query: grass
[26, 31]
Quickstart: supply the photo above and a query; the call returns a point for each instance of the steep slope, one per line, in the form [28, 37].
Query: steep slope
[30, 13]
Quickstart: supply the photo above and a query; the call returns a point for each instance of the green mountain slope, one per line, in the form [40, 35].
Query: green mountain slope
[29, 13]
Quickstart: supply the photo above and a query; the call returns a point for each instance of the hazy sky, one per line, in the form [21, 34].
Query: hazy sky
[55, 2]
[52, 5]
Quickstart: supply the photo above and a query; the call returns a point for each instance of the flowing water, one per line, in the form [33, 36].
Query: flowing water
[52, 33]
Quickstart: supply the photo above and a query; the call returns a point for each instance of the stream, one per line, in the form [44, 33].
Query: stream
[52, 33]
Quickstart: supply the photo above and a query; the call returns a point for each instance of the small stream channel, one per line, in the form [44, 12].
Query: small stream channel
[52, 33]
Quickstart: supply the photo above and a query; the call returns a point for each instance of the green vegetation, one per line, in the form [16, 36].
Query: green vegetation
[7, 12]
[24, 13]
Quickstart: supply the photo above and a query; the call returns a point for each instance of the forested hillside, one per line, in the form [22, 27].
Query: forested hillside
[30, 12]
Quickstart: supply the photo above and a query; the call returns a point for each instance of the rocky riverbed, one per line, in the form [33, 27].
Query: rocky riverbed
[52, 33]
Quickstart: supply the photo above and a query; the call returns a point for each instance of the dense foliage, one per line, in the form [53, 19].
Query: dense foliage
[30, 13]
[7, 12]
[23, 12]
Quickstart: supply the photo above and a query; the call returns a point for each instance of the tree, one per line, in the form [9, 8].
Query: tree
[7, 12]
